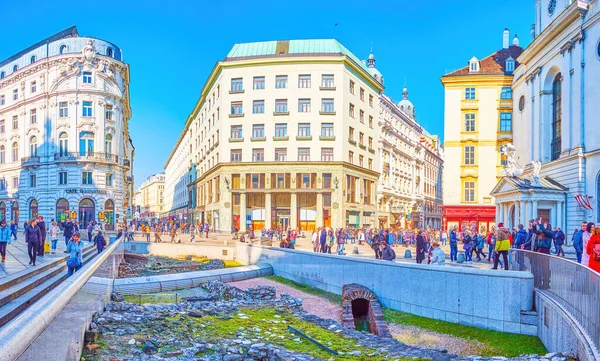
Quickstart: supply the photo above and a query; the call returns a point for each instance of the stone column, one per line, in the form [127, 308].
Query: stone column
[517, 214]
[506, 215]
[500, 215]
[524, 219]
[534, 209]
[294, 210]
[497, 217]
[268, 210]
[319, 217]
[559, 215]
[243, 227]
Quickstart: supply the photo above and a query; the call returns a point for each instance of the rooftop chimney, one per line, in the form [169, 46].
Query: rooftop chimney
[516, 40]
[506, 39]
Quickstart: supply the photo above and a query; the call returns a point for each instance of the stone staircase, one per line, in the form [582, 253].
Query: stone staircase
[21, 289]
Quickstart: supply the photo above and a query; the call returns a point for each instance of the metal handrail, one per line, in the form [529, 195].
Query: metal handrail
[17, 335]
[575, 287]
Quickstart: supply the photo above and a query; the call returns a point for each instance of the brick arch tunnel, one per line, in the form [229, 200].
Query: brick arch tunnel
[360, 305]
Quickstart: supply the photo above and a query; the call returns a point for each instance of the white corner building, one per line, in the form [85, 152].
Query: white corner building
[64, 138]
[556, 91]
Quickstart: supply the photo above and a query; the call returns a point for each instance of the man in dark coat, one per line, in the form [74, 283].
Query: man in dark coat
[420, 248]
[387, 253]
[42, 225]
[68, 227]
[100, 242]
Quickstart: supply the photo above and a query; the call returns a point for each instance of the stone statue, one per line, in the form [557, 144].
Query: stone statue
[537, 168]
[511, 169]
[88, 52]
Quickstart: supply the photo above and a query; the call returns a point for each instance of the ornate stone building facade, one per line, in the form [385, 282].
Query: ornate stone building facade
[149, 198]
[284, 134]
[65, 147]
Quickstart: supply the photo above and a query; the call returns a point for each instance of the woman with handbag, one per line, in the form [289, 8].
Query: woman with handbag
[75, 250]
[54, 231]
[33, 238]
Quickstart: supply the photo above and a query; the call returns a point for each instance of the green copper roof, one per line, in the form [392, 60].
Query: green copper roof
[300, 47]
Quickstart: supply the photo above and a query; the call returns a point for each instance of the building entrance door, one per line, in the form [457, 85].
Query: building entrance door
[284, 222]
[87, 212]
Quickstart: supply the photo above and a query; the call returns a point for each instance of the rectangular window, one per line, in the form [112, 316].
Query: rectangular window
[236, 155]
[361, 94]
[327, 130]
[351, 87]
[469, 122]
[281, 106]
[351, 110]
[370, 164]
[280, 180]
[280, 154]
[87, 77]
[506, 93]
[469, 155]
[2, 126]
[63, 109]
[32, 180]
[258, 131]
[33, 116]
[110, 179]
[469, 93]
[469, 192]
[15, 182]
[370, 142]
[361, 116]
[304, 81]
[350, 157]
[327, 81]
[370, 121]
[236, 108]
[303, 154]
[15, 94]
[304, 130]
[370, 100]
[361, 138]
[33, 87]
[361, 160]
[326, 180]
[258, 106]
[108, 112]
[237, 85]
[2, 101]
[506, 122]
[62, 178]
[86, 177]
[327, 106]
[259, 82]
[281, 81]
[258, 155]
[351, 133]
[236, 132]
[87, 109]
[15, 122]
[306, 180]
[281, 130]
[326, 155]
[304, 105]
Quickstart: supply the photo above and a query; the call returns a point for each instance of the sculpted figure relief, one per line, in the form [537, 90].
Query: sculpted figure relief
[511, 169]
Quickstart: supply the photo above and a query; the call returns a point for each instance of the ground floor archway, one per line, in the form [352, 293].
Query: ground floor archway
[87, 212]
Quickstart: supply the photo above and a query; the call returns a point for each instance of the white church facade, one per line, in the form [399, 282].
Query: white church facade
[556, 92]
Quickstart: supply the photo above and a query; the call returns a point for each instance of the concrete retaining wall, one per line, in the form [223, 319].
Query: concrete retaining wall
[489, 299]
[226, 253]
[560, 332]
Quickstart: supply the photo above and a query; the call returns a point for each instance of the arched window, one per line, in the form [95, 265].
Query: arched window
[63, 49]
[108, 144]
[2, 154]
[63, 144]
[32, 60]
[1, 75]
[109, 52]
[109, 215]
[15, 68]
[15, 152]
[556, 116]
[86, 143]
[62, 209]
[33, 146]
[33, 209]
[14, 212]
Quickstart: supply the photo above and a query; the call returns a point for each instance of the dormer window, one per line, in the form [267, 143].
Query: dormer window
[473, 65]
[510, 65]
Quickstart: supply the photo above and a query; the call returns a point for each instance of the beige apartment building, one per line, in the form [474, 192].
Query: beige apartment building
[284, 134]
[150, 198]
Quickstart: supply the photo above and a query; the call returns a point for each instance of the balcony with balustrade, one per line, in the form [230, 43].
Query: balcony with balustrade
[97, 157]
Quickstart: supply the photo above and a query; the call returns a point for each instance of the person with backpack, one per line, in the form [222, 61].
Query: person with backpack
[559, 240]
[4, 239]
[593, 250]
[502, 245]
[100, 242]
[467, 246]
[75, 250]
[387, 253]
[438, 257]
[480, 243]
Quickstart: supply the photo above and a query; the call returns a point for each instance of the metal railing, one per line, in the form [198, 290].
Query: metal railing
[30, 160]
[573, 286]
[99, 156]
[95, 278]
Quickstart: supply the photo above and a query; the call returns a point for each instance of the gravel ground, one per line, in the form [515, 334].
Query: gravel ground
[415, 336]
[312, 304]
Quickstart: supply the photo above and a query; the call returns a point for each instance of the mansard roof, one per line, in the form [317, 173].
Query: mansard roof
[493, 64]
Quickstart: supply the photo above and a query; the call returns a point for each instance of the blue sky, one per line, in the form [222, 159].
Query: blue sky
[172, 46]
